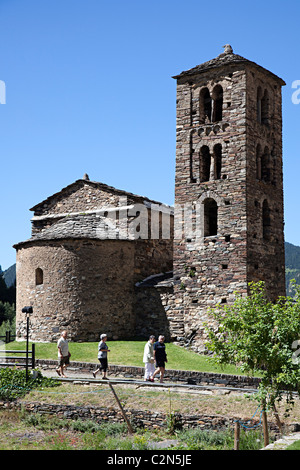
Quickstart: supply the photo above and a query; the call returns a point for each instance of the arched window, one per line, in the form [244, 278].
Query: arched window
[258, 162]
[39, 277]
[217, 96]
[258, 100]
[210, 217]
[205, 160]
[217, 161]
[266, 220]
[192, 160]
[205, 106]
[265, 108]
[265, 165]
[262, 106]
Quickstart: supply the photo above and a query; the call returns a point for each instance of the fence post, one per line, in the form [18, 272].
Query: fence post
[121, 408]
[33, 356]
[265, 428]
[7, 336]
[237, 430]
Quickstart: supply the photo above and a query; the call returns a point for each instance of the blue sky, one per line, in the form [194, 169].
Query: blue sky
[89, 90]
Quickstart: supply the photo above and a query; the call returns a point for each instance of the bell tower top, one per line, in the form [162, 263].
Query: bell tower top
[226, 58]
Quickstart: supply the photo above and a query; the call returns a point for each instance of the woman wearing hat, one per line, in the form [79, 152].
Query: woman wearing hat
[102, 356]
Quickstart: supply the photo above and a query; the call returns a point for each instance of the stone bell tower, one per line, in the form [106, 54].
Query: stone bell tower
[228, 186]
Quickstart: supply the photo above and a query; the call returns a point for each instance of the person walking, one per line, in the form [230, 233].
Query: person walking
[63, 354]
[160, 357]
[148, 359]
[102, 356]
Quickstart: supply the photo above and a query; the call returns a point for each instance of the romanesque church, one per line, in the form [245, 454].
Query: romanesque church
[102, 259]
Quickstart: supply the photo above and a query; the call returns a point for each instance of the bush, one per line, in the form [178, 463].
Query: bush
[13, 384]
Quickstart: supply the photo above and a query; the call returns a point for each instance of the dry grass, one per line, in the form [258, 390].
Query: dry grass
[218, 403]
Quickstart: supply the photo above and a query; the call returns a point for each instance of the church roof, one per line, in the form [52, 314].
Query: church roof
[83, 226]
[85, 180]
[226, 58]
[158, 280]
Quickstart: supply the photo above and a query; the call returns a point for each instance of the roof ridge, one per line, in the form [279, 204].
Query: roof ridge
[225, 58]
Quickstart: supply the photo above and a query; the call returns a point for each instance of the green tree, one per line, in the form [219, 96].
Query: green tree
[7, 294]
[260, 336]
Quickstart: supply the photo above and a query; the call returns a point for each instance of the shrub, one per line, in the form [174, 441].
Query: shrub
[13, 384]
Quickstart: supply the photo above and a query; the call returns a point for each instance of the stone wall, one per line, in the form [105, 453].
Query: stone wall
[210, 267]
[137, 418]
[88, 286]
[87, 289]
[220, 242]
[265, 251]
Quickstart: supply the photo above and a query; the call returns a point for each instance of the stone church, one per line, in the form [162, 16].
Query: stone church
[101, 259]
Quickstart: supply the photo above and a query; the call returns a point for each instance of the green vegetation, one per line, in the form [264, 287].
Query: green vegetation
[261, 336]
[26, 431]
[13, 383]
[128, 353]
[294, 446]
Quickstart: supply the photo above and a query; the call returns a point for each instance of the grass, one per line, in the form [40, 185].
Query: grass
[294, 446]
[25, 431]
[128, 353]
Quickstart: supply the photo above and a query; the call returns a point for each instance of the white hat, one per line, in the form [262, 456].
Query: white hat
[103, 336]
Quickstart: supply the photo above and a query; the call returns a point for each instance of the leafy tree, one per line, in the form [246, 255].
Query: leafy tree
[7, 294]
[260, 336]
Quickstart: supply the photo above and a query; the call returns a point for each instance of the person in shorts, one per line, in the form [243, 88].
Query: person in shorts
[102, 356]
[63, 354]
[160, 357]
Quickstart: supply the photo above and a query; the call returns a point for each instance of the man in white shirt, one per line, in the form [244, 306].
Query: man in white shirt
[63, 354]
[148, 359]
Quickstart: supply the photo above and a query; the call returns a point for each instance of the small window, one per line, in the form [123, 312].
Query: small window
[265, 108]
[259, 98]
[266, 220]
[39, 277]
[205, 161]
[265, 166]
[218, 161]
[258, 162]
[217, 96]
[205, 106]
[210, 217]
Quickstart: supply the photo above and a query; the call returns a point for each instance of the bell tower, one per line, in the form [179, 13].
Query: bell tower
[228, 186]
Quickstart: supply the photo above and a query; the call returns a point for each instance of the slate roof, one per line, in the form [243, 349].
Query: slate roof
[158, 280]
[96, 184]
[226, 58]
[82, 226]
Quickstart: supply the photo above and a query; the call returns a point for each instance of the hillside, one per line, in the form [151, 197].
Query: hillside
[292, 266]
[10, 275]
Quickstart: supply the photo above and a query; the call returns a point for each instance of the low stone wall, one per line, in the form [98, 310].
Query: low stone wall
[184, 376]
[138, 418]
